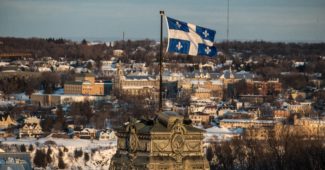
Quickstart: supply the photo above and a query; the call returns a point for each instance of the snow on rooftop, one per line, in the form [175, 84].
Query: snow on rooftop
[218, 82]
[220, 133]
[198, 81]
[21, 96]
[59, 91]
[222, 130]
[242, 72]
[247, 121]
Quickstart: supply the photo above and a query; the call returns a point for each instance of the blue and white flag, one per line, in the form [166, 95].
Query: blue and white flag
[187, 38]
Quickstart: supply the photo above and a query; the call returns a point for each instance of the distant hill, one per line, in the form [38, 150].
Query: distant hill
[40, 47]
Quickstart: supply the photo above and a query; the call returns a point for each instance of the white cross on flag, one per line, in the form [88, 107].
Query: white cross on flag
[187, 38]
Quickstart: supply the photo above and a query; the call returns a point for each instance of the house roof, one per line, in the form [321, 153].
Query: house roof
[16, 155]
[74, 82]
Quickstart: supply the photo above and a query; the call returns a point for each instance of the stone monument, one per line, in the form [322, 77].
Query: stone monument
[168, 142]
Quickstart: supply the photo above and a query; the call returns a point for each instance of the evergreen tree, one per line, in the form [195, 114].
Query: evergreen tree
[61, 164]
[77, 153]
[87, 111]
[59, 118]
[23, 148]
[84, 42]
[48, 155]
[65, 149]
[60, 153]
[31, 148]
[86, 157]
[40, 159]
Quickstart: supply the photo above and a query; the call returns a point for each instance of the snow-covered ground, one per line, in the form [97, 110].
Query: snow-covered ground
[7, 103]
[73, 143]
[21, 96]
[215, 133]
[14, 99]
[100, 152]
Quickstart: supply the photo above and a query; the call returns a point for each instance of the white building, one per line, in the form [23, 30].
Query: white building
[106, 134]
[31, 128]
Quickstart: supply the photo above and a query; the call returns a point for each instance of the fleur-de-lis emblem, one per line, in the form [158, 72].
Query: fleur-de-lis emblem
[178, 24]
[205, 33]
[179, 46]
[207, 50]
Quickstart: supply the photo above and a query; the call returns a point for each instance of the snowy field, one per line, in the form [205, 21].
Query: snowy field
[68, 143]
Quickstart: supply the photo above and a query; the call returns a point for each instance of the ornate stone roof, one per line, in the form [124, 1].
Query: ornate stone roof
[167, 142]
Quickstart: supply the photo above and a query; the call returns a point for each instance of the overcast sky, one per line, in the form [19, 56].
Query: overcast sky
[269, 20]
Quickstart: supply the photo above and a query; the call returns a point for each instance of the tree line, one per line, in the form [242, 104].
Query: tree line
[289, 151]
[66, 48]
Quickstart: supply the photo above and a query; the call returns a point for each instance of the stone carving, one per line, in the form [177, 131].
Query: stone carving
[132, 141]
[193, 146]
[161, 146]
[143, 146]
[177, 143]
[178, 127]
[177, 138]
[121, 143]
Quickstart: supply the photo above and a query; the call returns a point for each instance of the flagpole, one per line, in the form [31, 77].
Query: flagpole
[227, 26]
[162, 13]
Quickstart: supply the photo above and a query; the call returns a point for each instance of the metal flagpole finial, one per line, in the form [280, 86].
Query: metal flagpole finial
[162, 12]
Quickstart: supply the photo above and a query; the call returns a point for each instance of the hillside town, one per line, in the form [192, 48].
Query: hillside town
[48, 102]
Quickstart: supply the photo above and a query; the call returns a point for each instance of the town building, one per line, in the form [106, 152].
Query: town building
[210, 109]
[251, 98]
[15, 161]
[203, 86]
[86, 84]
[61, 98]
[136, 84]
[302, 107]
[246, 123]
[31, 128]
[118, 53]
[107, 134]
[228, 77]
[85, 87]
[6, 121]
[270, 87]
[201, 93]
[108, 67]
[281, 113]
[200, 118]
[85, 133]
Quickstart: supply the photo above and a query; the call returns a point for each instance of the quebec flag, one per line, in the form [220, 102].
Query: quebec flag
[187, 38]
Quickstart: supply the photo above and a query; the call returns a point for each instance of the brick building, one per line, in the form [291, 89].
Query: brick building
[86, 84]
